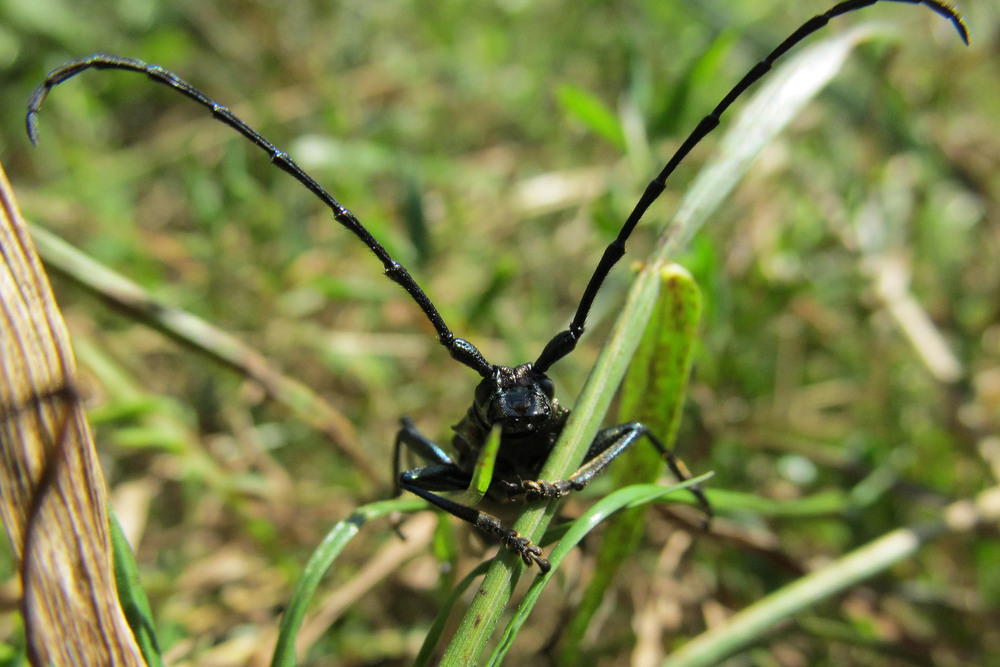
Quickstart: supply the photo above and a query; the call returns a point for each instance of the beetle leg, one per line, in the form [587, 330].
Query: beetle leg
[415, 441]
[448, 477]
[608, 444]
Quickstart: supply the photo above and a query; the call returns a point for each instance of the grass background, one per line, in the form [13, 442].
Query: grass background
[445, 127]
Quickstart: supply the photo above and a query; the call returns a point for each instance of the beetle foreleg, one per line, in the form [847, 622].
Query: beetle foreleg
[446, 477]
[606, 447]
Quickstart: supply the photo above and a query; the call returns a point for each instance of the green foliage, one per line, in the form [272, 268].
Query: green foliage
[321, 561]
[482, 474]
[654, 392]
[593, 113]
[443, 127]
[132, 596]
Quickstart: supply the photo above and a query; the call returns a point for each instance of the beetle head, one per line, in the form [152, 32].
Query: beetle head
[517, 398]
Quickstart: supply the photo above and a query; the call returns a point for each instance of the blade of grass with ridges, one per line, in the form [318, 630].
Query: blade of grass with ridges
[631, 497]
[754, 623]
[319, 562]
[761, 120]
[131, 595]
[653, 393]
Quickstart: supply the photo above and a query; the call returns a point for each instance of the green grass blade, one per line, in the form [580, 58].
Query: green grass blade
[754, 622]
[131, 594]
[482, 474]
[319, 562]
[481, 619]
[654, 388]
[437, 628]
[789, 88]
[653, 392]
[765, 115]
[593, 113]
[822, 504]
[631, 497]
[61, 257]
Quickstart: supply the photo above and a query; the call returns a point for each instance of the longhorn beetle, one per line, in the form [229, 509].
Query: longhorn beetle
[519, 400]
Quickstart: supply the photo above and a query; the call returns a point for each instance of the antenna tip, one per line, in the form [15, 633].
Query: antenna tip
[959, 23]
[956, 19]
[31, 125]
[34, 106]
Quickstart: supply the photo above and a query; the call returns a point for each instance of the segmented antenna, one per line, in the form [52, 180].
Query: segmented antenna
[461, 349]
[564, 342]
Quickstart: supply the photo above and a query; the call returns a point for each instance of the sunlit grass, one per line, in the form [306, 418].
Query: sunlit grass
[442, 126]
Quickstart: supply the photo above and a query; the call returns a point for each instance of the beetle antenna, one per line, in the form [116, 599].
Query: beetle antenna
[564, 342]
[460, 349]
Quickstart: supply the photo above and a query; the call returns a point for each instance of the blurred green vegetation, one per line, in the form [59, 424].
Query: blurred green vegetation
[473, 140]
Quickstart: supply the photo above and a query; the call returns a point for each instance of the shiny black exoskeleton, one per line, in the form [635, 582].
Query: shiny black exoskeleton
[520, 400]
